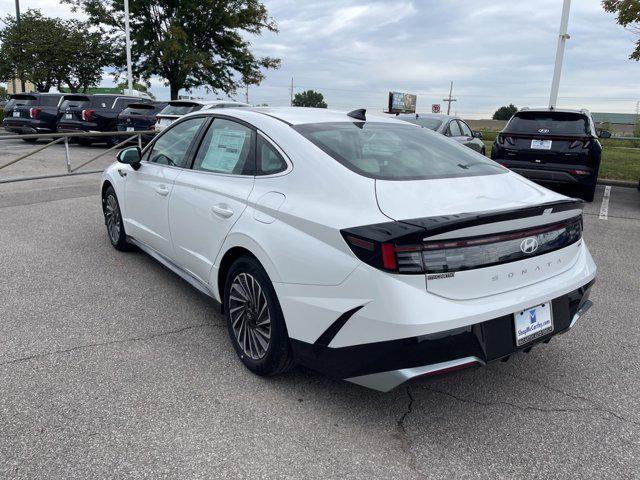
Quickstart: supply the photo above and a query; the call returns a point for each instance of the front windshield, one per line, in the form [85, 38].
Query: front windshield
[430, 123]
[390, 151]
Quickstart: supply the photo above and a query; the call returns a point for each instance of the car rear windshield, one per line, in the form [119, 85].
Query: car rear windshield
[549, 123]
[389, 151]
[75, 101]
[21, 100]
[430, 123]
[139, 109]
[180, 108]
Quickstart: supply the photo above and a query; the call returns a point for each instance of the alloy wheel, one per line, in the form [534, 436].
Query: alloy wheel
[112, 216]
[250, 319]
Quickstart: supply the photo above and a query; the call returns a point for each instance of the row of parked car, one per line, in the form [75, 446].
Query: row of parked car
[33, 113]
[558, 148]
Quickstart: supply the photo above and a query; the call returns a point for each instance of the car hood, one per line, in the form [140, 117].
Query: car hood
[401, 200]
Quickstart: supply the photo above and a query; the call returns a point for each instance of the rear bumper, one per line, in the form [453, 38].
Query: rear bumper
[27, 126]
[385, 365]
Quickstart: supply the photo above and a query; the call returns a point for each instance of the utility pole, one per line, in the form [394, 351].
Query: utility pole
[450, 99]
[18, 24]
[292, 91]
[562, 39]
[128, 47]
[246, 93]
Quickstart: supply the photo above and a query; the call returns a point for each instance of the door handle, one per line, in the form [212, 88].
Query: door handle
[162, 190]
[221, 210]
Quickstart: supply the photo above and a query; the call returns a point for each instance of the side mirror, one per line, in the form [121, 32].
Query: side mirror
[604, 134]
[477, 134]
[130, 156]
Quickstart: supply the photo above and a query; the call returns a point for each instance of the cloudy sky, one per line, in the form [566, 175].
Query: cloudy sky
[497, 52]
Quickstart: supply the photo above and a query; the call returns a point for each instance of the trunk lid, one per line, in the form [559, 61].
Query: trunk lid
[474, 228]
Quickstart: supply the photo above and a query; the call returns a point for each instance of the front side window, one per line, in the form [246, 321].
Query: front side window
[227, 147]
[269, 161]
[172, 146]
[390, 151]
[454, 129]
[466, 131]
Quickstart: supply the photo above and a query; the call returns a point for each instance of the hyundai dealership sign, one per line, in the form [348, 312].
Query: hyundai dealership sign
[402, 102]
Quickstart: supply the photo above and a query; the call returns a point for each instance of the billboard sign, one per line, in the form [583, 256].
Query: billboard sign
[402, 102]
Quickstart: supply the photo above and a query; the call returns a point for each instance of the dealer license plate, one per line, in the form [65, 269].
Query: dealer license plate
[129, 129]
[16, 114]
[68, 116]
[533, 323]
[540, 144]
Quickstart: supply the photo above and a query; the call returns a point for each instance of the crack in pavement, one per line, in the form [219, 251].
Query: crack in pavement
[103, 344]
[529, 407]
[404, 437]
[569, 395]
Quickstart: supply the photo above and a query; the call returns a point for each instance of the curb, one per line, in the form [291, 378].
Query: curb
[619, 183]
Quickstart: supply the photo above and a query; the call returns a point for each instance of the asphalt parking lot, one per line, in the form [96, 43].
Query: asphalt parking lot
[111, 366]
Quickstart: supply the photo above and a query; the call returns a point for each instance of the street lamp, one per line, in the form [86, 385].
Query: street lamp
[127, 46]
[562, 39]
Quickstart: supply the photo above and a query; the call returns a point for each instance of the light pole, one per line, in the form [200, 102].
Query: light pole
[562, 39]
[18, 25]
[127, 46]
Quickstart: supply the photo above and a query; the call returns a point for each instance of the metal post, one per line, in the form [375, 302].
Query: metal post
[66, 154]
[450, 99]
[562, 39]
[292, 91]
[140, 141]
[18, 24]
[128, 46]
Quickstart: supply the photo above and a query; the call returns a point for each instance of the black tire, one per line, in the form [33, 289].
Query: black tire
[29, 140]
[84, 142]
[115, 231]
[277, 356]
[589, 193]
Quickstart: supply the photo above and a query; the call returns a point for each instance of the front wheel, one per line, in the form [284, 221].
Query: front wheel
[589, 193]
[113, 220]
[254, 319]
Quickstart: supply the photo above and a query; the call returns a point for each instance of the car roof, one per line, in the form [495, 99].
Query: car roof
[302, 115]
[436, 116]
[207, 102]
[560, 110]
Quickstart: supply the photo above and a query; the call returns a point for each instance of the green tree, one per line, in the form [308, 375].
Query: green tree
[505, 112]
[3, 93]
[32, 50]
[190, 43]
[88, 54]
[309, 98]
[628, 15]
[52, 52]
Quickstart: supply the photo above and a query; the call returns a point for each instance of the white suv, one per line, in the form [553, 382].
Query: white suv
[362, 246]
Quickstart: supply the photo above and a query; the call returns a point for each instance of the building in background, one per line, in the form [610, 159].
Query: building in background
[15, 86]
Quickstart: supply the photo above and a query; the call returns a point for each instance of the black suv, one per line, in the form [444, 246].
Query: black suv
[93, 113]
[552, 147]
[29, 113]
[140, 117]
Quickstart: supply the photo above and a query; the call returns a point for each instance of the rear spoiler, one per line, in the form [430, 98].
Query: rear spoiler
[408, 230]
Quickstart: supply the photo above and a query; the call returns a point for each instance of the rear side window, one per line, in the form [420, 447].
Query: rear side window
[180, 108]
[392, 151]
[227, 147]
[549, 123]
[269, 160]
[75, 102]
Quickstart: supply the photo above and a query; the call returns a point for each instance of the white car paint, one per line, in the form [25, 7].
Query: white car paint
[291, 223]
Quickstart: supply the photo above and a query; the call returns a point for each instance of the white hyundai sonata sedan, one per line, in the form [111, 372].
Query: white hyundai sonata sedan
[362, 246]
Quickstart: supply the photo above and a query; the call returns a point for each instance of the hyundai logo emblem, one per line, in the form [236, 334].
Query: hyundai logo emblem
[543, 130]
[529, 245]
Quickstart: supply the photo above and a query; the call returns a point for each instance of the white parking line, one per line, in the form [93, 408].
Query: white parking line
[604, 208]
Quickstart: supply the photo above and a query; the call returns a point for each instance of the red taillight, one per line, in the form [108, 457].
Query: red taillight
[389, 256]
[579, 172]
[35, 112]
[86, 114]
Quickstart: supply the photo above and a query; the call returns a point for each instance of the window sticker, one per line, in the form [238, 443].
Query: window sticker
[224, 150]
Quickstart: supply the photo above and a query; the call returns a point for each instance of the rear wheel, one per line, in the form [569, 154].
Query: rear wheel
[588, 193]
[29, 140]
[113, 220]
[84, 142]
[254, 319]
